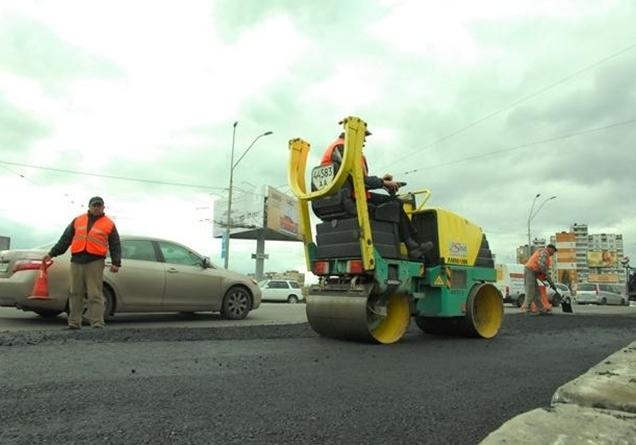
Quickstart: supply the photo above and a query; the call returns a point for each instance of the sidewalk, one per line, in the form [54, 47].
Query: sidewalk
[599, 407]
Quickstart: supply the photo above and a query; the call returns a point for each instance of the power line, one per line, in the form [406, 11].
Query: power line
[521, 100]
[26, 178]
[529, 144]
[21, 175]
[119, 178]
[16, 173]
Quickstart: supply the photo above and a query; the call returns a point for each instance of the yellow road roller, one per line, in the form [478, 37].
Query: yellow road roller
[368, 289]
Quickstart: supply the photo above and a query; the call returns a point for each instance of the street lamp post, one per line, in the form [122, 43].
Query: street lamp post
[229, 201]
[534, 201]
[226, 238]
[531, 216]
[625, 263]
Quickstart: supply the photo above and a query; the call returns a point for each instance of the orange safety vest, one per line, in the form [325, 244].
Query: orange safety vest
[326, 159]
[94, 242]
[533, 262]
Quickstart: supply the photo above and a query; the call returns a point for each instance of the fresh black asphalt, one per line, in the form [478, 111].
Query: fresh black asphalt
[284, 384]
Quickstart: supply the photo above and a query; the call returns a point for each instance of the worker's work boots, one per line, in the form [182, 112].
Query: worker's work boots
[417, 250]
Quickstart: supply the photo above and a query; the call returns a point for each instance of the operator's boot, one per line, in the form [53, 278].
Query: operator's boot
[417, 250]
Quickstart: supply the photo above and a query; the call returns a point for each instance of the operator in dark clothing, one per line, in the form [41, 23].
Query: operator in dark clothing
[408, 235]
[90, 237]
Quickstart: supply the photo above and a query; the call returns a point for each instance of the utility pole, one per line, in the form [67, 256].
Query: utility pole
[229, 202]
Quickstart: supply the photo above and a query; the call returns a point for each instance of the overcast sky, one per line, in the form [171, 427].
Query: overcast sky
[486, 103]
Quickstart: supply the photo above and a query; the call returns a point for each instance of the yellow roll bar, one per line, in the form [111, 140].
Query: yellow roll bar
[411, 209]
[354, 129]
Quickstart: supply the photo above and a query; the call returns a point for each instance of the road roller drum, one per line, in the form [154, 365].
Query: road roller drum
[358, 315]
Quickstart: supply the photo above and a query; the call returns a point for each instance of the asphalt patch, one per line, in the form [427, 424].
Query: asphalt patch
[251, 332]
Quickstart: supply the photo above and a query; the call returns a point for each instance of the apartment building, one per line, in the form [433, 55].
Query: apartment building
[522, 251]
[581, 240]
[564, 265]
[292, 275]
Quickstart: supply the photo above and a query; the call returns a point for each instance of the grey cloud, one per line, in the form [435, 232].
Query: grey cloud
[28, 48]
[23, 237]
[18, 128]
[323, 18]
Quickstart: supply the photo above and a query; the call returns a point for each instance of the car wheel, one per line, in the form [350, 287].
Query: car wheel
[237, 303]
[520, 300]
[603, 300]
[109, 303]
[292, 299]
[48, 314]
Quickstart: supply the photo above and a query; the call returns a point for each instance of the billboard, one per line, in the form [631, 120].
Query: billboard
[247, 213]
[602, 258]
[282, 214]
[273, 215]
[602, 278]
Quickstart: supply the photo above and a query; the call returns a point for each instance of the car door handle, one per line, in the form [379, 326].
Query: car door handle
[173, 270]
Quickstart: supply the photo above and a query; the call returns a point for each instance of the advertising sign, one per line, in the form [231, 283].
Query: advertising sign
[602, 278]
[282, 213]
[601, 258]
[246, 214]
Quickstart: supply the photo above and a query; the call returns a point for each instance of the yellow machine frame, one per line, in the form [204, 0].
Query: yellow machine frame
[354, 130]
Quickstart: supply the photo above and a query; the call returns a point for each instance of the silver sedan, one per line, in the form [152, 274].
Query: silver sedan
[156, 276]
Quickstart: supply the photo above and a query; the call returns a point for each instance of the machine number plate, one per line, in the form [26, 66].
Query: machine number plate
[321, 176]
[4, 267]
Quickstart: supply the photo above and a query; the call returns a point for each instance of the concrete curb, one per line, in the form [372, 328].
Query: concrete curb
[598, 407]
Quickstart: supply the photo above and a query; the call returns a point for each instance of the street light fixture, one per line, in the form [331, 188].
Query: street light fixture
[229, 201]
[531, 216]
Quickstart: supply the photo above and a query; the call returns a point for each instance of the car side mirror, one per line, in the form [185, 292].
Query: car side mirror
[206, 263]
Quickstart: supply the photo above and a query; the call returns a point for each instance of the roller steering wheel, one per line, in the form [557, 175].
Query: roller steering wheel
[394, 192]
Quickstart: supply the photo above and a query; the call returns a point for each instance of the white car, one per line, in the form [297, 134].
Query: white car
[593, 293]
[281, 290]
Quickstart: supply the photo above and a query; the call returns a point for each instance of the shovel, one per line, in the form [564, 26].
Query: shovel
[566, 302]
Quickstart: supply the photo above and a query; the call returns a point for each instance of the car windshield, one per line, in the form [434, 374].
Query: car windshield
[612, 289]
[262, 283]
[585, 287]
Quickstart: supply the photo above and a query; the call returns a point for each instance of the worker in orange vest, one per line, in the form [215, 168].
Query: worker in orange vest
[90, 236]
[408, 235]
[538, 267]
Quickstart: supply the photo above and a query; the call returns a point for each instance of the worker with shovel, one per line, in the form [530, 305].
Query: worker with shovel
[538, 267]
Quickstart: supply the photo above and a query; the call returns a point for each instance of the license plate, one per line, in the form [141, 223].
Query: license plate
[4, 267]
[321, 176]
